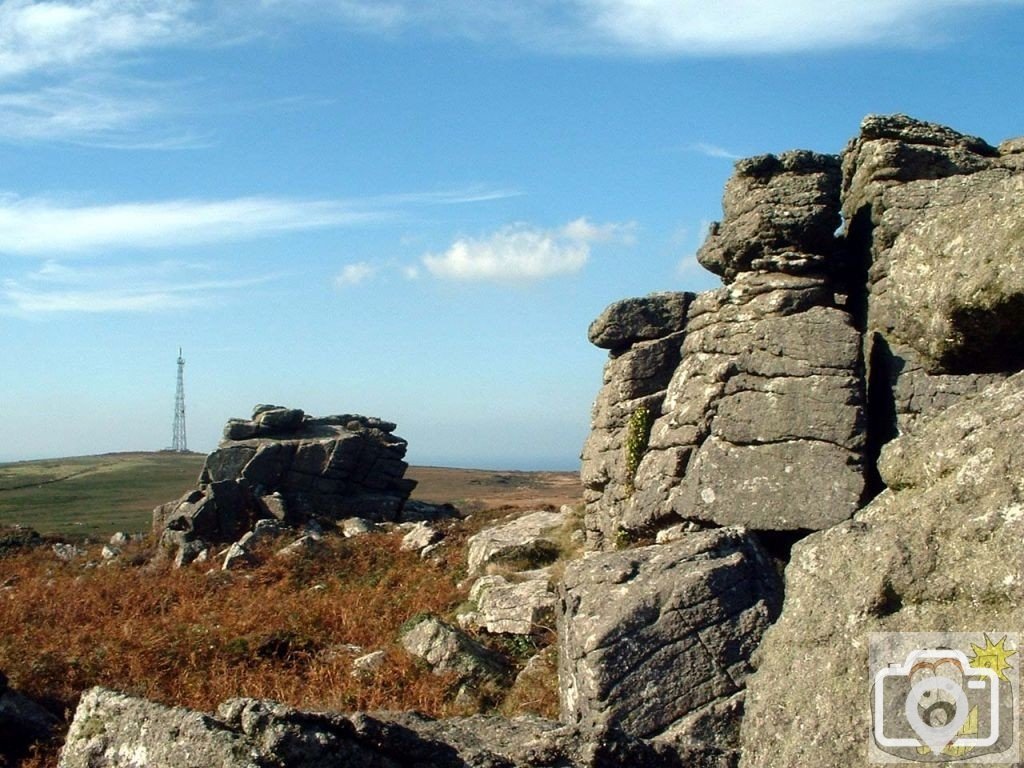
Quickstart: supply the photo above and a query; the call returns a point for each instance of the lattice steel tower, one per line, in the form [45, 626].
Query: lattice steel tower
[179, 443]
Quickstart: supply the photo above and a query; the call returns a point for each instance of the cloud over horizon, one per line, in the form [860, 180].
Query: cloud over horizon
[520, 253]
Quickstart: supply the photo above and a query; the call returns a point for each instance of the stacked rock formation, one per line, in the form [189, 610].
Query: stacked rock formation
[770, 397]
[286, 465]
[769, 408]
[752, 411]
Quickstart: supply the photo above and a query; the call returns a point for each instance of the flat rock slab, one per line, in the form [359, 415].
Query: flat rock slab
[531, 538]
[649, 637]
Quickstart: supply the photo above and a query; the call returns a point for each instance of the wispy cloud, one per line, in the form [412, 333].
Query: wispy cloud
[355, 273]
[522, 253]
[95, 112]
[45, 227]
[46, 36]
[659, 27]
[32, 226]
[712, 150]
[57, 288]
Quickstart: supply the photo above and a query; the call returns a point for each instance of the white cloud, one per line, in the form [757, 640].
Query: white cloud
[522, 253]
[35, 226]
[663, 27]
[43, 36]
[355, 273]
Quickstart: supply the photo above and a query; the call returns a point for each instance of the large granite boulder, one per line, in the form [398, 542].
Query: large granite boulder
[655, 641]
[286, 465]
[781, 215]
[940, 549]
[930, 216]
[111, 730]
[626, 322]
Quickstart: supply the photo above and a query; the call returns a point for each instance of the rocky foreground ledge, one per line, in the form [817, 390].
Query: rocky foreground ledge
[848, 407]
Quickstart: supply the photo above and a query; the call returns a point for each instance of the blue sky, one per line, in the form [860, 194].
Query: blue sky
[405, 209]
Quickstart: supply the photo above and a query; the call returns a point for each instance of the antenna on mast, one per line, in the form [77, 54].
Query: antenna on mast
[179, 442]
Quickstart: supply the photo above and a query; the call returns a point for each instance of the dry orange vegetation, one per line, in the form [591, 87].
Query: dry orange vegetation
[196, 637]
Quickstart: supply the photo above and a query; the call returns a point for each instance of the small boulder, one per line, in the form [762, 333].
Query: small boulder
[237, 556]
[446, 649]
[67, 552]
[357, 526]
[277, 419]
[529, 541]
[518, 607]
[264, 530]
[194, 550]
[368, 664]
[420, 536]
[304, 546]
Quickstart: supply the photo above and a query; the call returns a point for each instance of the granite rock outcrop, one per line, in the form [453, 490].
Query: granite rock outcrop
[283, 464]
[862, 291]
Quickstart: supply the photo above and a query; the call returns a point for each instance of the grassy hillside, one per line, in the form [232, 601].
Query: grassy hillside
[94, 495]
[97, 495]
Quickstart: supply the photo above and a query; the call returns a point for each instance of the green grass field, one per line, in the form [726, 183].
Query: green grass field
[97, 495]
[94, 495]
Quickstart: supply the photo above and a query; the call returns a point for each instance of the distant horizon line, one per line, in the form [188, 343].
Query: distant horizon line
[542, 465]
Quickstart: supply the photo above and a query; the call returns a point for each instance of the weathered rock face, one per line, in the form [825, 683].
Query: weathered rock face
[780, 216]
[656, 640]
[116, 731]
[761, 424]
[940, 549]
[822, 347]
[931, 215]
[283, 464]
